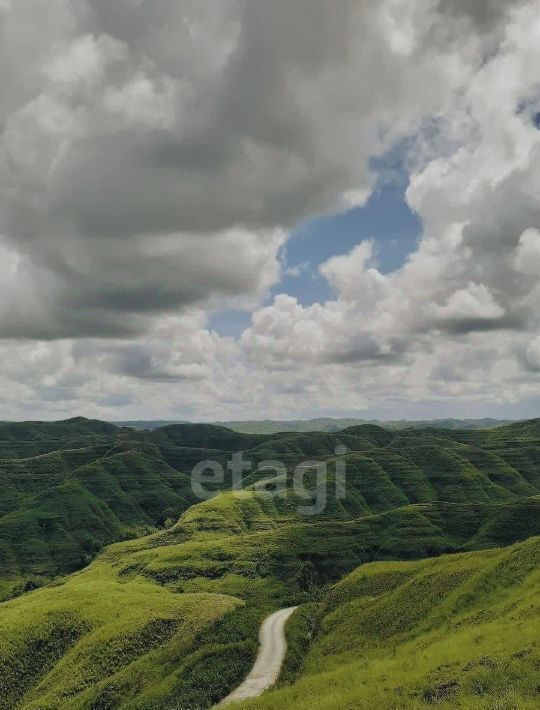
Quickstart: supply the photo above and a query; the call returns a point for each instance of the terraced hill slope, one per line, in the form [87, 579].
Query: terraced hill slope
[69, 488]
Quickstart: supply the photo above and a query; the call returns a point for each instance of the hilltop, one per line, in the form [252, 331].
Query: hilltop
[326, 424]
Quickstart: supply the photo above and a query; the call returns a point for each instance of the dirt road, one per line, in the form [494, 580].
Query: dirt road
[267, 667]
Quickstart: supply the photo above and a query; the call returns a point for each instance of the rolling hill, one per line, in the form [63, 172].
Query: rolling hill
[93, 483]
[170, 618]
[326, 424]
[459, 631]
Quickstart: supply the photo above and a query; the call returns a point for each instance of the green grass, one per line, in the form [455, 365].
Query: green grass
[456, 632]
[69, 488]
[100, 631]
[170, 620]
[61, 509]
[164, 620]
[26, 439]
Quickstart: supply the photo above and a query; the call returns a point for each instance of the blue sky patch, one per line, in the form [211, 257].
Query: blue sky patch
[386, 218]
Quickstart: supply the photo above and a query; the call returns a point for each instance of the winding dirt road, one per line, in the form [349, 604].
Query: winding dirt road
[267, 667]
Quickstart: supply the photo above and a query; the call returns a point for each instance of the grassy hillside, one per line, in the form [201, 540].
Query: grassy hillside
[456, 632]
[171, 620]
[25, 439]
[97, 483]
[59, 509]
[95, 638]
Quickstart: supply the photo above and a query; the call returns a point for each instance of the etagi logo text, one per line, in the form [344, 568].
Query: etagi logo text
[309, 480]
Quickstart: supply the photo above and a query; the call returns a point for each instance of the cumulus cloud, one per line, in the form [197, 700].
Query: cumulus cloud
[154, 156]
[132, 131]
[475, 269]
[528, 253]
[470, 308]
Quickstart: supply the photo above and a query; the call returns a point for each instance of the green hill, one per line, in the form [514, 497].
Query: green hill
[59, 509]
[457, 632]
[171, 619]
[25, 439]
[97, 483]
[326, 424]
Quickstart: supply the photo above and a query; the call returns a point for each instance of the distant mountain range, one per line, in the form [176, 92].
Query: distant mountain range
[327, 424]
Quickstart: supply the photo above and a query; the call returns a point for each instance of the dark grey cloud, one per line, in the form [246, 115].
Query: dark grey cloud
[147, 363]
[365, 348]
[126, 124]
[469, 324]
[486, 14]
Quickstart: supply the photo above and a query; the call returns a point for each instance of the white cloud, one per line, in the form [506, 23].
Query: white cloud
[475, 302]
[154, 156]
[528, 253]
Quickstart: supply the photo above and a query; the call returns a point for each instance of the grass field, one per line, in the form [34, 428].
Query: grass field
[460, 631]
[150, 622]
[95, 638]
[170, 619]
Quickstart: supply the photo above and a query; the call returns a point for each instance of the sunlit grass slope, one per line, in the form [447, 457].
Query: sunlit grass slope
[171, 620]
[459, 631]
[95, 638]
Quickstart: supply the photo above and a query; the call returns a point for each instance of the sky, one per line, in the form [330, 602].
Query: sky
[386, 219]
[237, 209]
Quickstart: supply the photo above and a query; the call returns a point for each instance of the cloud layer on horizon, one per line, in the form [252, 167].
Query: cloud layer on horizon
[155, 155]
